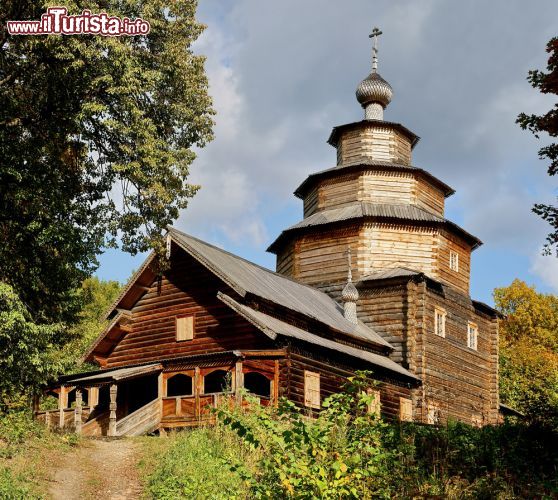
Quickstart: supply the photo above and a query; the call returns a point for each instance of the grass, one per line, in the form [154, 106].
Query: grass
[195, 464]
[26, 451]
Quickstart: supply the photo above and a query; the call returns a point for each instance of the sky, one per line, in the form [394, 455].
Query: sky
[282, 74]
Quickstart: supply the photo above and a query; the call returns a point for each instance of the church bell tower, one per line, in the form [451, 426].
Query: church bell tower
[389, 212]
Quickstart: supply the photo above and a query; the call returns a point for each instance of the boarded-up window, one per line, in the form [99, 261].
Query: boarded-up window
[472, 335]
[440, 322]
[454, 261]
[375, 405]
[405, 410]
[184, 328]
[311, 389]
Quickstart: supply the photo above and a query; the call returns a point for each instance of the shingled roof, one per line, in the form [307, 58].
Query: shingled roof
[365, 210]
[274, 327]
[370, 165]
[336, 132]
[246, 277]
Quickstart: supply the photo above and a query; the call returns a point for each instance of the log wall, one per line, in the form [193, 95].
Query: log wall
[449, 243]
[374, 186]
[385, 246]
[461, 382]
[333, 374]
[187, 289]
[373, 142]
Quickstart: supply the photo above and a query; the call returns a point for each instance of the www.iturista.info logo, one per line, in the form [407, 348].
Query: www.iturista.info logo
[56, 21]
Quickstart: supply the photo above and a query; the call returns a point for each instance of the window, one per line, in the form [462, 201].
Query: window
[311, 389]
[179, 385]
[257, 384]
[375, 406]
[454, 261]
[216, 381]
[472, 335]
[440, 322]
[405, 410]
[184, 328]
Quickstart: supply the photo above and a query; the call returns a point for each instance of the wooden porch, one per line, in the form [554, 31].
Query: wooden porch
[155, 398]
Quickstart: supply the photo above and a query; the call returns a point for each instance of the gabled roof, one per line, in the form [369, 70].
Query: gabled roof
[370, 165]
[334, 137]
[373, 211]
[274, 327]
[246, 277]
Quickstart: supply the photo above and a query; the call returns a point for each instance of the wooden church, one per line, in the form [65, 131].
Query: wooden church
[373, 278]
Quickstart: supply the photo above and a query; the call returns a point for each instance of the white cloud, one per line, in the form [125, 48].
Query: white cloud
[546, 268]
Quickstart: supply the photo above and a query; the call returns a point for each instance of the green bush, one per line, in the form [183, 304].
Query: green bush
[13, 488]
[267, 452]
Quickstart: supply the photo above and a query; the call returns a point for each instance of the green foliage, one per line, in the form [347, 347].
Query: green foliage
[97, 135]
[529, 351]
[196, 466]
[95, 297]
[28, 352]
[546, 83]
[24, 446]
[340, 454]
[12, 486]
[347, 453]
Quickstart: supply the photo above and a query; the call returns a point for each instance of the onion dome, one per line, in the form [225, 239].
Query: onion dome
[374, 93]
[349, 293]
[374, 89]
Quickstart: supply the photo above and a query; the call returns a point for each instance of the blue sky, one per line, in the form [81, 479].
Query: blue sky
[282, 74]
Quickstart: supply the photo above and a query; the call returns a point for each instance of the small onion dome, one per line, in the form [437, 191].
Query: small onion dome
[349, 293]
[374, 89]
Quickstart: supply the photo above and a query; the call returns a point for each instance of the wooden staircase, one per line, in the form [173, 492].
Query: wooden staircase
[144, 420]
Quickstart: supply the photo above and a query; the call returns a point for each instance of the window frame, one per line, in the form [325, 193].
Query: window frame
[312, 401]
[454, 261]
[439, 311]
[193, 328]
[472, 327]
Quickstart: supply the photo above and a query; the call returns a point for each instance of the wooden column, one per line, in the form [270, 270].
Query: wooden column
[35, 403]
[275, 384]
[160, 394]
[47, 419]
[62, 403]
[112, 408]
[77, 411]
[93, 397]
[197, 391]
[238, 382]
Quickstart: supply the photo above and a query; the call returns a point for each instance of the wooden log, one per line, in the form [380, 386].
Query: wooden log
[112, 409]
[238, 382]
[78, 411]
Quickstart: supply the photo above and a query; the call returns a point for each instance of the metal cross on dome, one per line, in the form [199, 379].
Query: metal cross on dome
[375, 34]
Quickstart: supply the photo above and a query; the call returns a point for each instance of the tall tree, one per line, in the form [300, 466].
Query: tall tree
[547, 83]
[96, 138]
[96, 296]
[529, 351]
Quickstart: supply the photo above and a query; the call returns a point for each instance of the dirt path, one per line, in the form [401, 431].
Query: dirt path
[99, 470]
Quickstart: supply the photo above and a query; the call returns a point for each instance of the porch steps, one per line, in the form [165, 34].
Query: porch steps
[144, 420]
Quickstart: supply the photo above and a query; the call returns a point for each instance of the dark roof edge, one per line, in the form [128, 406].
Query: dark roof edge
[508, 410]
[342, 170]
[332, 140]
[473, 240]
